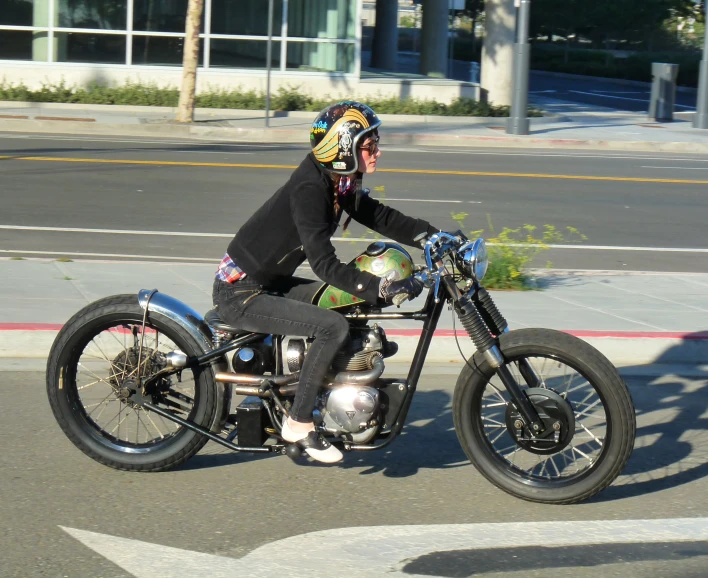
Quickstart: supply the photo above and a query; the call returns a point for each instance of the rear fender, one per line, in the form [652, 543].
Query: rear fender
[193, 323]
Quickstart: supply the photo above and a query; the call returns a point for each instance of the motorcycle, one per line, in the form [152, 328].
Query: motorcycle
[142, 383]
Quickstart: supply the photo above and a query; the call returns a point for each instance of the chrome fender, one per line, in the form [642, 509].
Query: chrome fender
[193, 323]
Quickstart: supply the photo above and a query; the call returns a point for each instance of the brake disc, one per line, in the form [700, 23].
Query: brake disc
[557, 417]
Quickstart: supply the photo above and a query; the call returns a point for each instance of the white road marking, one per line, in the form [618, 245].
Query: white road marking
[677, 168]
[208, 152]
[424, 200]
[343, 239]
[137, 141]
[626, 98]
[560, 155]
[107, 255]
[379, 550]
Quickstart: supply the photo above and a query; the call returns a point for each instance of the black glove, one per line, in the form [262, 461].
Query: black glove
[410, 286]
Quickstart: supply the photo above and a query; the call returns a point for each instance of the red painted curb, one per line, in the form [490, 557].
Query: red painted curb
[686, 336]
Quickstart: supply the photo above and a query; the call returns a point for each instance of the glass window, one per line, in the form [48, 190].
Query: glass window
[100, 14]
[243, 54]
[19, 12]
[322, 18]
[245, 17]
[161, 16]
[321, 56]
[99, 48]
[17, 45]
[161, 50]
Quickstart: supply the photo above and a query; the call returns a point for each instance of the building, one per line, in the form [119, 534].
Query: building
[316, 46]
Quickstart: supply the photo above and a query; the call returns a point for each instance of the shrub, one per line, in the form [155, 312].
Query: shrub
[289, 99]
[513, 250]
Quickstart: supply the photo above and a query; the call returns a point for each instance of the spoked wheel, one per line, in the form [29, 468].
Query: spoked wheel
[584, 404]
[93, 371]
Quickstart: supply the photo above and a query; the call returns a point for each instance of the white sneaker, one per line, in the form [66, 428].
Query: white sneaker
[316, 446]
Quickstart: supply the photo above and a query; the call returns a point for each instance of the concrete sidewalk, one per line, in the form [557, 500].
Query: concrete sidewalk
[566, 126]
[634, 318]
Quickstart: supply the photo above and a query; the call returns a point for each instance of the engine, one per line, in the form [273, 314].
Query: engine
[350, 405]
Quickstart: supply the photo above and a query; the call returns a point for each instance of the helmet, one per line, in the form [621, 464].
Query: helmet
[336, 132]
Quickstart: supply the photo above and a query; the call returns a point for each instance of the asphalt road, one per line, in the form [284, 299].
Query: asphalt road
[230, 505]
[590, 91]
[638, 211]
[596, 92]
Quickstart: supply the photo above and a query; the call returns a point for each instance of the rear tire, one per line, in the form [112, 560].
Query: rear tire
[481, 411]
[95, 353]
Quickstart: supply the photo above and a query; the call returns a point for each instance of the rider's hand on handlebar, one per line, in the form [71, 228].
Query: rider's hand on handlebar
[410, 286]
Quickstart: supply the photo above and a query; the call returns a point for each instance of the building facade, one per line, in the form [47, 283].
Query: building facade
[122, 38]
[316, 45]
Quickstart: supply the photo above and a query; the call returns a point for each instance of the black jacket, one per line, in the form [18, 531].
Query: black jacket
[296, 223]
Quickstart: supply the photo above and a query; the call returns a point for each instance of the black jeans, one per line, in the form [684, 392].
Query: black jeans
[287, 310]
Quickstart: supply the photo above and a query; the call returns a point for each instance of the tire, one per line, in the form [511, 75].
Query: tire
[92, 356]
[481, 428]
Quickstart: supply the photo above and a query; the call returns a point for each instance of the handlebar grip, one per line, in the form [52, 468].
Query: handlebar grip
[400, 298]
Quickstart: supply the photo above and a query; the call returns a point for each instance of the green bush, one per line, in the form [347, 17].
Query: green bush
[512, 251]
[284, 99]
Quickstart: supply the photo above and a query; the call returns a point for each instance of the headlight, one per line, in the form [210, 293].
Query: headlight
[471, 259]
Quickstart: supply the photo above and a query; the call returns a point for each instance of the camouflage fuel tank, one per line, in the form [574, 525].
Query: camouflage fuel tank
[381, 259]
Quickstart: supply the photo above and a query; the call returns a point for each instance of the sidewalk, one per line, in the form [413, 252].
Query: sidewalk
[636, 319]
[565, 126]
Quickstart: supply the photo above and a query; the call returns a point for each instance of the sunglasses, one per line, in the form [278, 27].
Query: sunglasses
[372, 147]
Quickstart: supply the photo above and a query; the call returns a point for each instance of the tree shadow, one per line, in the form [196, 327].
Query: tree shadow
[671, 446]
[428, 441]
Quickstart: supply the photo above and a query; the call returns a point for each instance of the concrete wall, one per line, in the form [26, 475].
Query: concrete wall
[321, 85]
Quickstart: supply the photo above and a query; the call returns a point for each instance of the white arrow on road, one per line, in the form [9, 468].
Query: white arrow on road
[378, 550]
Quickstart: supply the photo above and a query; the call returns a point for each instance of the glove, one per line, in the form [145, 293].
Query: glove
[410, 286]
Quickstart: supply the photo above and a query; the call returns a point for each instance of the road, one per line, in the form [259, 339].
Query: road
[114, 198]
[596, 92]
[232, 505]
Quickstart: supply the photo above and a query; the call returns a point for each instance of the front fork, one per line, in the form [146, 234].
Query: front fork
[484, 323]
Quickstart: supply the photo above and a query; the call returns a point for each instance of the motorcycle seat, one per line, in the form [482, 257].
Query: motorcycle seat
[214, 321]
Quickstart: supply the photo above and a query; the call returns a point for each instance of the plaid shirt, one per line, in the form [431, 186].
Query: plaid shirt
[228, 270]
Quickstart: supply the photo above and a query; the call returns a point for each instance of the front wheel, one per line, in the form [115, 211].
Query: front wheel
[579, 396]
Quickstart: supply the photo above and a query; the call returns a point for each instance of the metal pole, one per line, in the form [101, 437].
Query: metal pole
[700, 119]
[269, 49]
[518, 122]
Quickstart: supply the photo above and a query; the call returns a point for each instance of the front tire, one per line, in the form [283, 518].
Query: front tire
[581, 392]
[89, 372]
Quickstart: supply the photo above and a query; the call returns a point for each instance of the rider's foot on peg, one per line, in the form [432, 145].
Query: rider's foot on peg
[316, 446]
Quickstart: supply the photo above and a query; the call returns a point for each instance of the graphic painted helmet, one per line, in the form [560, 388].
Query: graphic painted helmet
[336, 132]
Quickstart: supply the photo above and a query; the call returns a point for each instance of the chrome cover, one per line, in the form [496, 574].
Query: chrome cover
[349, 408]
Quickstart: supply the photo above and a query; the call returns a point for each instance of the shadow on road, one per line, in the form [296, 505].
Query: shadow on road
[672, 424]
[671, 448]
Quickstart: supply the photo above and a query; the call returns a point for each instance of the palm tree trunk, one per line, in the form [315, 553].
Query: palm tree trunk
[185, 109]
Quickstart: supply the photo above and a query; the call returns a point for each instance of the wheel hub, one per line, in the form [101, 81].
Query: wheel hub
[557, 417]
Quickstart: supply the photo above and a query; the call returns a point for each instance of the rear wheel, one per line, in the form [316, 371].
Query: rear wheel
[583, 402]
[93, 370]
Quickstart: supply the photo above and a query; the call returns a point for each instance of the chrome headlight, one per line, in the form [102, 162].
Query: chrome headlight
[471, 259]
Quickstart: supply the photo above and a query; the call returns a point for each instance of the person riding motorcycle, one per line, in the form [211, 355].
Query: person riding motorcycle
[255, 288]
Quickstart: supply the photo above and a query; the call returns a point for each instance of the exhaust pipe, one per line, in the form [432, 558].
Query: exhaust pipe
[245, 384]
[361, 377]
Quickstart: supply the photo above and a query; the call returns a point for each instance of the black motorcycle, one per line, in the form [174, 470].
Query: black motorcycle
[143, 382]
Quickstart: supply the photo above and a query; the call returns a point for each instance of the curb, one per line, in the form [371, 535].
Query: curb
[623, 348]
[289, 136]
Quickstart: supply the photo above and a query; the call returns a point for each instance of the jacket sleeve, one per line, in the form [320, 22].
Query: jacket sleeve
[313, 218]
[388, 221]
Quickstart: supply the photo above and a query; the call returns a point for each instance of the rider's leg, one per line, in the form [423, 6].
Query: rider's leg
[265, 313]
